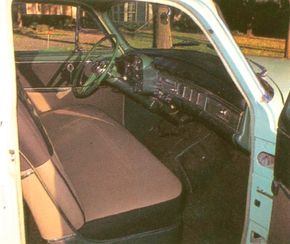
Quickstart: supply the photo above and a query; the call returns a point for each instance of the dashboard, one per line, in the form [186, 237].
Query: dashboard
[199, 100]
[184, 89]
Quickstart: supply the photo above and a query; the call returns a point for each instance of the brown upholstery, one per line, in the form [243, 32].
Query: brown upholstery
[33, 148]
[43, 209]
[122, 172]
[102, 171]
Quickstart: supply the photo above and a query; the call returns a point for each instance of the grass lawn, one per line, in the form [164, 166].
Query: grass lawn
[250, 45]
[53, 40]
[261, 46]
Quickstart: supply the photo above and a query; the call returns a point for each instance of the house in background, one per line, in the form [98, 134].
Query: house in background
[22, 9]
[133, 12]
[136, 12]
[50, 9]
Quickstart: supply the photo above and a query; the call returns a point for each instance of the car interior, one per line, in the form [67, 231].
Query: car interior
[121, 141]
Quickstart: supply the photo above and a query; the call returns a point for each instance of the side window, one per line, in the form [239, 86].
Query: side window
[90, 32]
[52, 28]
[146, 25]
[43, 27]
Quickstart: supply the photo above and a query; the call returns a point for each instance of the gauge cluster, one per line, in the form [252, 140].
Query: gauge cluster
[131, 69]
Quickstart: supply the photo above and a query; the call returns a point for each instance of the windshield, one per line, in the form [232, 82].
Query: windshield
[146, 25]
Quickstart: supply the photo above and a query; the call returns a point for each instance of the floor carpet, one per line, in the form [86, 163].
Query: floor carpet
[214, 174]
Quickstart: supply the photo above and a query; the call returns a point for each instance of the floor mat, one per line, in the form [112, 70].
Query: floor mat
[214, 174]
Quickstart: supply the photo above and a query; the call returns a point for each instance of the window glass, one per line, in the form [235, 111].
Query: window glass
[90, 32]
[146, 25]
[52, 27]
[43, 27]
[135, 21]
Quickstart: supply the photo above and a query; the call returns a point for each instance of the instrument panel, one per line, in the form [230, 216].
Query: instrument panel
[187, 96]
[131, 68]
[199, 99]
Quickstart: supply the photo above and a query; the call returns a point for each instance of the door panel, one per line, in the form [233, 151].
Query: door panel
[42, 70]
[39, 75]
[48, 84]
[280, 221]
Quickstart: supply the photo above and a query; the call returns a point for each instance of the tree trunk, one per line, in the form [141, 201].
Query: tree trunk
[287, 47]
[19, 17]
[161, 27]
[250, 27]
[250, 18]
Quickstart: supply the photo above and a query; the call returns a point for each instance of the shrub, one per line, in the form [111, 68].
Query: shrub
[56, 21]
[42, 28]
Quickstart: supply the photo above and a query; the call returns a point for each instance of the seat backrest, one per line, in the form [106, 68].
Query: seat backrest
[46, 188]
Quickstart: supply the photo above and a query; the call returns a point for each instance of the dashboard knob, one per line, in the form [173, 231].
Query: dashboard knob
[224, 112]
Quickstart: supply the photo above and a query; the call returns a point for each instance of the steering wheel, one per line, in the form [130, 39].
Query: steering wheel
[83, 85]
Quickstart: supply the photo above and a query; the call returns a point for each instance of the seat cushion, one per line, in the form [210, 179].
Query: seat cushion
[121, 185]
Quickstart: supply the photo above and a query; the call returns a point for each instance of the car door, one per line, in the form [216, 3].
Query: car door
[44, 42]
[280, 221]
[50, 40]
